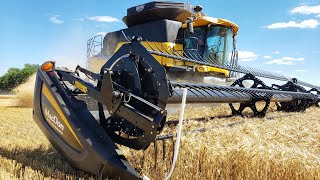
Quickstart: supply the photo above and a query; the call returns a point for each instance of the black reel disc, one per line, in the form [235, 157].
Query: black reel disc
[135, 74]
[258, 84]
[316, 92]
[297, 104]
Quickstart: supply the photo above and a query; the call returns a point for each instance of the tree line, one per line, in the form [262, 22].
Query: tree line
[16, 76]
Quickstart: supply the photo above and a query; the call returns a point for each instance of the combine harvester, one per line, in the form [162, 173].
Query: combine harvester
[129, 82]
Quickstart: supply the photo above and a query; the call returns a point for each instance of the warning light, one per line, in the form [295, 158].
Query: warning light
[47, 66]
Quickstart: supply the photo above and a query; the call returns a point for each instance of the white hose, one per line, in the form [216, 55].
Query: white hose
[176, 148]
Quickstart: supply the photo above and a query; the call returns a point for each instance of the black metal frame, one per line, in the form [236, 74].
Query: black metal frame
[113, 96]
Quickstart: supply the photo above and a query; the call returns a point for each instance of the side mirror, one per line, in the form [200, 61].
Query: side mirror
[236, 58]
[190, 25]
[234, 43]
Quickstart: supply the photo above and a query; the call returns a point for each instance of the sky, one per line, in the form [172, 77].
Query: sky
[274, 35]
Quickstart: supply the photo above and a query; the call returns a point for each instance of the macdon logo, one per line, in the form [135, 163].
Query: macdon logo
[54, 119]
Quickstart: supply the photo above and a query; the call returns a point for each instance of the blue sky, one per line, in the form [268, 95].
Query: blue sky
[281, 36]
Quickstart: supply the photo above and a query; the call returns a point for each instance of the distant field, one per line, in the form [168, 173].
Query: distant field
[7, 96]
[7, 100]
[287, 147]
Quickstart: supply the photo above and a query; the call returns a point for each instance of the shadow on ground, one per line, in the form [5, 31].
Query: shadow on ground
[48, 162]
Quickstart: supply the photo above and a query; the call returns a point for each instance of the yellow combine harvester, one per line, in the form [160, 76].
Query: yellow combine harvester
[123, 99]
[174, 28]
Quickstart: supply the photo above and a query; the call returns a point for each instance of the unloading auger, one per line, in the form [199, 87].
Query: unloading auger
[131, 94]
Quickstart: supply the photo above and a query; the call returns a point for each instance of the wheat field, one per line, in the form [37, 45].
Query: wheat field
[286, 146]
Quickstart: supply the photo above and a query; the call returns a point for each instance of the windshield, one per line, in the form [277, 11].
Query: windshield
[214, 42]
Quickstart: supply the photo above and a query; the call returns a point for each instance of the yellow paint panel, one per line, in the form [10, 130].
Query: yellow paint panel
[204, 69]
[48, 95]
[167, 47]
[80, 86]
[205, 20]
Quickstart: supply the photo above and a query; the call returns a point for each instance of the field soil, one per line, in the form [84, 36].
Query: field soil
[280, 146]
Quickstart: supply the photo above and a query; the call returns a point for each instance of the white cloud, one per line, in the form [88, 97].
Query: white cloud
[55, 19]
[103, 19]
[306, 9]
[318, 16]
[267, 57]
[284, 61]
[310, 23]
[301, 70]
[245, 56]
[78, 19]
[275, 52]
[279, 62]
[292, 59]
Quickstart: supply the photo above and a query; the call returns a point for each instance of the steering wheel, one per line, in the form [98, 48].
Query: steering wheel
[213, 52]
[213, 48]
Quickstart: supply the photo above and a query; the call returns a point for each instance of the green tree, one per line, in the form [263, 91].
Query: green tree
[15, 76]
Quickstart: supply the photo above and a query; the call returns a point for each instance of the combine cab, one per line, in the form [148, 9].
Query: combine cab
[130, 87]
[162, 26]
